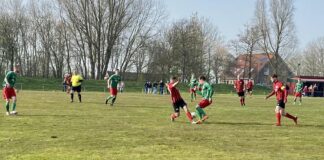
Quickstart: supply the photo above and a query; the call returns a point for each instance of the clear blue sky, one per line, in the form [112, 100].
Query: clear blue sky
[231, 15]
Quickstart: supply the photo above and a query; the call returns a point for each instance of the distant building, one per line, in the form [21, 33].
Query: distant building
[261, 69]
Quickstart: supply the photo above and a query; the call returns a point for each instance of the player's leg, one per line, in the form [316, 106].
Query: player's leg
[79, 93]
[110, 96]
[7, 105]
[203, 105]
[294, 118]
[72, 94]
[243, 99]
[188, 114]
[6, 97]
[67, 89]
[14, 101]
[186, 109]
[278, 115]
[295, 98]
[281, 110]
[238, 93]
[300, 99]
[202, 116]
[114, 94]
[192, 94]
[176, 113]
[199, 112]
[113, 100]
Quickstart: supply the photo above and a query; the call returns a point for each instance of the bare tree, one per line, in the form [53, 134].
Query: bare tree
[313, 58]
[277, 29]
[148, 14]
[222, 62]
[248, 41]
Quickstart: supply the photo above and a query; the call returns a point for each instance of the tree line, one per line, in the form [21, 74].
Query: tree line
[50, 38]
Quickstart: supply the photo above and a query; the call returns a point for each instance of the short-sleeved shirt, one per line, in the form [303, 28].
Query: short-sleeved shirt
[174, 92]
[114, 80]
[76, 80]
[67, 80]
[280, 90]
[299, 87]
[250, 85]
[193, 83]
[11, 78]
[206, 90]
[239, 85]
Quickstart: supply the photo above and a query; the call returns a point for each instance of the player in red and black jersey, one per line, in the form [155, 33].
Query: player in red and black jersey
[177, 100]
[68, 83]
[249, 87]
[239, 86]
[280, 91]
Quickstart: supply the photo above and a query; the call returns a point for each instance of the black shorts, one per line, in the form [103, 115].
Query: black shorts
[179, 104]
[77, 89]
[249, 90]
[240, 94]
[281, 104]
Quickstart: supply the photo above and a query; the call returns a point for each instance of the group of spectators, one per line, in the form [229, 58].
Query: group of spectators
[155, 87]
[311, 90]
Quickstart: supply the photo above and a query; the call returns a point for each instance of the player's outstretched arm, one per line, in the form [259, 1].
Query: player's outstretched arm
[271, 94]
[175, 84]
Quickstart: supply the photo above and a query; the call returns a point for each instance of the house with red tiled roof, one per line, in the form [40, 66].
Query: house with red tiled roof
[260, 69]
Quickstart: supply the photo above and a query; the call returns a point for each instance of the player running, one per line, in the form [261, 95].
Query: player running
[206, 91]
[298, 91]
[68, 83]
[8, 90]
[239, 86]
[281, 93]
[112, 83]
[76, 81]
[249, 87]
[193, 86]
[177, 100]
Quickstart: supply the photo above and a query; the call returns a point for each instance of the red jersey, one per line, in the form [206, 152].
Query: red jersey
[68, 80]
[174, 92]
[239, 85]
[280, 90]
[249, 85]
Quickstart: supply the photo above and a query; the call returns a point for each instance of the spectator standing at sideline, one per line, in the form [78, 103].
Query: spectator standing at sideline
[161, 87]
[155, 86]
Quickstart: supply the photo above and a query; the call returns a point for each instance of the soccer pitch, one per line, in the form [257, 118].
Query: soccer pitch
[48, 126]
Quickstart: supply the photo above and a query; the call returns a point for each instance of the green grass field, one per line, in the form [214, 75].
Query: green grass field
[138, 127]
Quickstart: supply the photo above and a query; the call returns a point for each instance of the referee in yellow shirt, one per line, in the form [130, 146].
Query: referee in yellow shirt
[76, 85]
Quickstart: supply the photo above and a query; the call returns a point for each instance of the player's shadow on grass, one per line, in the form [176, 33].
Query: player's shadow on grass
[147, 107]
[262, 124]
[240, 123]
[312, 126]
[50, 115]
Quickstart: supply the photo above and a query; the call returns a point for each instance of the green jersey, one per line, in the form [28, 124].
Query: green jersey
[193, 83]
[299, 87]
[114, 80]
[11, 79]
[206, 90]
